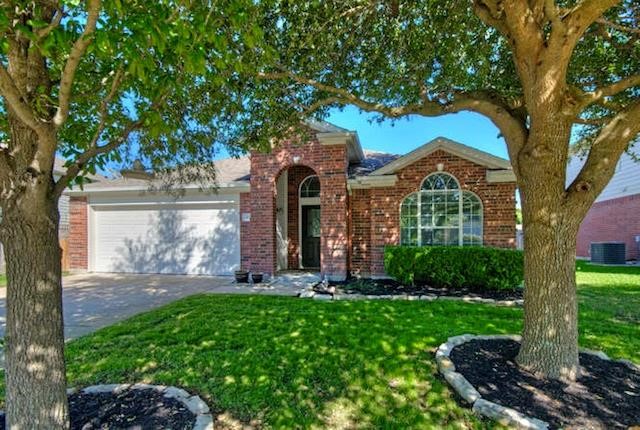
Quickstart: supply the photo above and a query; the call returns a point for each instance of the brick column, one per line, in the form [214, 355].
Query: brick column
[78, 234]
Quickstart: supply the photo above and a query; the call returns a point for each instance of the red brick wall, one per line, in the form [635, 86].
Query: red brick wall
[78, 234]
[296, 174]
[330, 164]
[615, 220]
[383, 204]
[360, 228]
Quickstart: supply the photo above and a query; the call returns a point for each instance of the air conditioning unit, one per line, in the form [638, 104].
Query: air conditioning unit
[608, 252]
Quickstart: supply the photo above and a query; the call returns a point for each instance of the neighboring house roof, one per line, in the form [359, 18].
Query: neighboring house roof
[463, 151]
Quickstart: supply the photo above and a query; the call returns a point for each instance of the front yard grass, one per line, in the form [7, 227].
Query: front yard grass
[292, 363]
[3, 279]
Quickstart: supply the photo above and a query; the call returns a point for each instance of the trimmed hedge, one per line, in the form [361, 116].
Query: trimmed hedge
[455, 267]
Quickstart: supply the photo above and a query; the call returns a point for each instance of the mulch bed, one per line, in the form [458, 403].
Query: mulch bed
[605, 396]
[390, 287]
[139, 409]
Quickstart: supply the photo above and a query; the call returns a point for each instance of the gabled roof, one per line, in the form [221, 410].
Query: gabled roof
[463, 151]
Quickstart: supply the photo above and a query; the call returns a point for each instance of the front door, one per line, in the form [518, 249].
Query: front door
[310, 237]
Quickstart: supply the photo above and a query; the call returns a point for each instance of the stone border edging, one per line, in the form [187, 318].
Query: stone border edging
[310, 294]
[204, 420]
[502, 414]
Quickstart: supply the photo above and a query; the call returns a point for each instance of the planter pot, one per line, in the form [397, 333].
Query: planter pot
[242, 276]
[256, 278]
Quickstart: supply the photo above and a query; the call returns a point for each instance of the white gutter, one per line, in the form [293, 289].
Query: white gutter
[226, 188]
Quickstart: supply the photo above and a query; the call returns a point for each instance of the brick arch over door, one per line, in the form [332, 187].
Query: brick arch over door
[330, 164]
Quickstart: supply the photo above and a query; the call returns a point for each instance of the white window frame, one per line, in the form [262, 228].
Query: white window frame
[460, 211]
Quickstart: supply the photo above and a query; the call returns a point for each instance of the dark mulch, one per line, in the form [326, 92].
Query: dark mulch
[605, 396]
[383, 287]
[139, 409]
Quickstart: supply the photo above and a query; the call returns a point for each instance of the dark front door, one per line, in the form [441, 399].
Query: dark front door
[310, 237]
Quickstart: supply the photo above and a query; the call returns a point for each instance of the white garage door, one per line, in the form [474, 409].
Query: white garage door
[185, 238]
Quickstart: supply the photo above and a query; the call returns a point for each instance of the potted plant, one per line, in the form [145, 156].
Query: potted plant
[242, 276]
[256, 277]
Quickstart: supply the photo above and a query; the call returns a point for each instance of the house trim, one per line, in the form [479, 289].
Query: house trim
[497, 176]
[376, 181]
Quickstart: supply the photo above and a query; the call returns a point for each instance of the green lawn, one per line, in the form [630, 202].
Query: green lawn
[3, 280]
[291, 363]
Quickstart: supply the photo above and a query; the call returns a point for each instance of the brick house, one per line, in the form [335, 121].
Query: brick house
[325, 205]
[614, 215]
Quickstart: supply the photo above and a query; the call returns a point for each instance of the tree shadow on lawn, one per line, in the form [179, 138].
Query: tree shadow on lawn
[293, 363]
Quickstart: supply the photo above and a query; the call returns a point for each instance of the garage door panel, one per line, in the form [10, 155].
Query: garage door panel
[151, 239]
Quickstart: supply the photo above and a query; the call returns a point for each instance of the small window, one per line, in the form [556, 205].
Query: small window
[310, 187]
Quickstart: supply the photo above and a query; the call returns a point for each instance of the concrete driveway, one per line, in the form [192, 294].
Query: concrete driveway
[92, 301]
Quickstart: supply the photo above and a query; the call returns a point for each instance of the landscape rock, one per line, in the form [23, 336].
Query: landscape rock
[203, 422]
[462, 386]
[507, 416]
[307, 294]
[176, 393]
[196, 405]
[105, 388]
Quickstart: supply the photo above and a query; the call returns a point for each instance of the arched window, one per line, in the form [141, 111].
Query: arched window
[441, 214]
[310, 187]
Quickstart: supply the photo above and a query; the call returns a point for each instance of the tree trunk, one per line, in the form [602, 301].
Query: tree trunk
[35, 369]
[550, 334]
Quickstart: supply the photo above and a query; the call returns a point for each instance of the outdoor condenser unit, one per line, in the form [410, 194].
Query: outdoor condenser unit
[608, 252]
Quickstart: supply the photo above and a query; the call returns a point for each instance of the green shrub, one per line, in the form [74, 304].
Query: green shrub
[456, 267]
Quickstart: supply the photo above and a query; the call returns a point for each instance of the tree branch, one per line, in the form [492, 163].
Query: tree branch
[616, 26]
[613, 140]
[584, 14]
[104, 106]
[490, 14]
[77, 51]
[85, 157]
[490, 105]
[44, 32]
[609, 90]
[82, 159]
[14, 99]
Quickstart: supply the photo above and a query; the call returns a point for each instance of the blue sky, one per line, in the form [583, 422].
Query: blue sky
[404, 135]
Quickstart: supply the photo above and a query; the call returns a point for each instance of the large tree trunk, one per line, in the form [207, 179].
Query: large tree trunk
[550, 334]
[35, 369]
